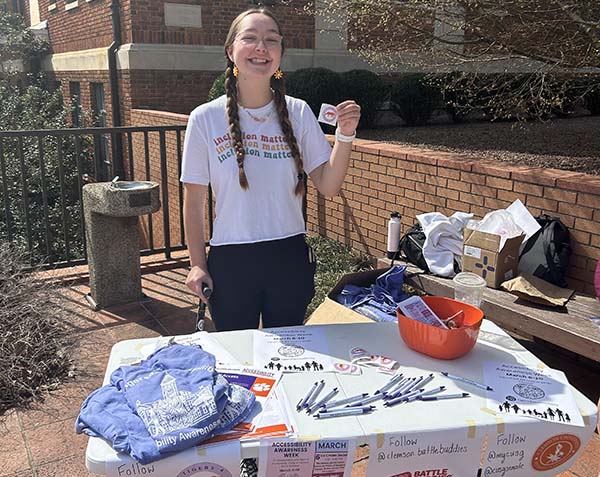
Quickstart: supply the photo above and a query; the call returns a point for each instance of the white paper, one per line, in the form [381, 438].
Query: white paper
[523, 219]
[446, 454]
[324, 458]
[540, 393]
[201, 338]
[292, 350]
[223, 459]
[272, 421]
[261, 382]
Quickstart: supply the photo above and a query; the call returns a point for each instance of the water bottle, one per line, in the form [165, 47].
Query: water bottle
[393, 238]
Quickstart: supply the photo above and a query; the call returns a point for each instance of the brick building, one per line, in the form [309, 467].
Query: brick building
[161, 55]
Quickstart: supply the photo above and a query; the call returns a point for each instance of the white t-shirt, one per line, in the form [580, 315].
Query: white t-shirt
[269, 209]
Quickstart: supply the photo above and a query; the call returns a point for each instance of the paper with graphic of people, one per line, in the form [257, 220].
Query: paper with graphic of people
[297, 349]
[541, 392]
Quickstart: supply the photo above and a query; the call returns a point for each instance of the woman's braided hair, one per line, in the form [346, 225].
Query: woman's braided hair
[278, 88]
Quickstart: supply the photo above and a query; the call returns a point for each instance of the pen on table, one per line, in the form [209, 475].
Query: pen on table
[344, 409]
[341, 402]
[419, 383]
[344, 412]
[314, 395]
[426, 381]
[390, 383]
[468, 381]
[405, 389]
[322, 401]
[398, 385]
[414, 392]
[367, 400]
[444, 396]
[402, 385]
[308, 394]
[414, 397]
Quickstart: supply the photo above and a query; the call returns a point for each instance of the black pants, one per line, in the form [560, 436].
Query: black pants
[274, 279]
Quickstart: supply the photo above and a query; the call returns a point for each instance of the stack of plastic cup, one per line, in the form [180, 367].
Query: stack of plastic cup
[468, 288]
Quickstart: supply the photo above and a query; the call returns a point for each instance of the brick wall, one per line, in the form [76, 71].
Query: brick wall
[85, 80]
[153, 173]
[383, 178]
[147, 22]
[175, 91]
[143, 21]
[87, 26]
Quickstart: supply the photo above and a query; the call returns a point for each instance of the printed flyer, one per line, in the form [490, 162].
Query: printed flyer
[292, 350]
[448, 453]
[323, 458]
[221, 460]
[540, 393]
[263, 384]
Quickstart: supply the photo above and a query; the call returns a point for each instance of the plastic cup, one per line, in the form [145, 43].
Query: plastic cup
[468, 288]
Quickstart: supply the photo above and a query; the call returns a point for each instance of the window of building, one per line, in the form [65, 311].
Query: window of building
[76, 112]
[101, 141]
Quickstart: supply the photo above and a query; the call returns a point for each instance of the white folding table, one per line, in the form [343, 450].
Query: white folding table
[469, 417]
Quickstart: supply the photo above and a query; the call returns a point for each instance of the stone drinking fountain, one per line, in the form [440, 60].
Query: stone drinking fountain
[111, 211]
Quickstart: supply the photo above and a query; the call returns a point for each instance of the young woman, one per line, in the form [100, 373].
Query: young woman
[253, 145]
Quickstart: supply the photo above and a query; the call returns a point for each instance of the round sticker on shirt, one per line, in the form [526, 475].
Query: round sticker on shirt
[555, 451]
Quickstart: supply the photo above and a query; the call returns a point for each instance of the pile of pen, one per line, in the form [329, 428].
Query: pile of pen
[399, 389]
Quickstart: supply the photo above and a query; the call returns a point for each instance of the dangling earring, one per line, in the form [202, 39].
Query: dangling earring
[236, 72]
[278, 74]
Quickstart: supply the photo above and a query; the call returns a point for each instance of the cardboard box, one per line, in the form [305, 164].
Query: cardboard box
[481, 255]
[331, 312]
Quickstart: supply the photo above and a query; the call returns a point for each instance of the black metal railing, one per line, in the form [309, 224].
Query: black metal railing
[42, 173]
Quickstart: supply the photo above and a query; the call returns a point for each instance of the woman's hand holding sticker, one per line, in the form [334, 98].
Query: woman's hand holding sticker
[348, 115]
[328, 114]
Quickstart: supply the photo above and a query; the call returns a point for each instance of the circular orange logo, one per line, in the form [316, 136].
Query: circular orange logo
[555, 451]
[330, 114]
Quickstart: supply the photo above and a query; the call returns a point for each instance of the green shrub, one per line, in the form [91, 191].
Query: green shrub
[368, 90]
[333, 261]
[414, 100]
[218, 87]
[315, 86]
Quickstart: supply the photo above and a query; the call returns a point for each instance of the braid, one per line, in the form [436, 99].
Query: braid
[288, 131]
[234, 122]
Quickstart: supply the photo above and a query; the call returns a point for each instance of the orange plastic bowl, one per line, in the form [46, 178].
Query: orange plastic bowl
[439, 342]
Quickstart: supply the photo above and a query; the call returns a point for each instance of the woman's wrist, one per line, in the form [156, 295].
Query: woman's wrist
[344, 137]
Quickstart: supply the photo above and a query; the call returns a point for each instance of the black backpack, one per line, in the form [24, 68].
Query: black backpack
[546, 253]
[411, 248]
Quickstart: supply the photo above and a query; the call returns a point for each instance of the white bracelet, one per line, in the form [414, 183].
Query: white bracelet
[343, 138]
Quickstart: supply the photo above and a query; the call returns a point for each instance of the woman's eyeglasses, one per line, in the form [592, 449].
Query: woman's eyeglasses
[272, 40]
